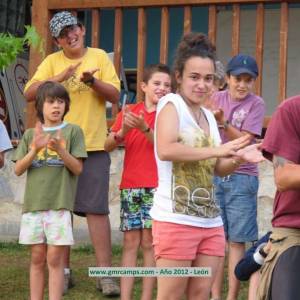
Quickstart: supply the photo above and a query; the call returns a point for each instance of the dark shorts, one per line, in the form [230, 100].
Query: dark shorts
[135, 208]
[93, 185]
[285, 280]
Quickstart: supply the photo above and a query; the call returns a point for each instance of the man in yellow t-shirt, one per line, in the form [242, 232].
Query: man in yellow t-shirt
[91, 80]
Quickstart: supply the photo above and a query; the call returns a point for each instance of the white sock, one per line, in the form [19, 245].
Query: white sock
[66, 271]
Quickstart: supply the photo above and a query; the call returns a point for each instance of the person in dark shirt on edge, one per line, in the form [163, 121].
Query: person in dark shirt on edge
[280, 271]
[248, 267]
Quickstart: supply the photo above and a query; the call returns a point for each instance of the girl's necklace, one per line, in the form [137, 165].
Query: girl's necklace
[201, 120]
[196, 116]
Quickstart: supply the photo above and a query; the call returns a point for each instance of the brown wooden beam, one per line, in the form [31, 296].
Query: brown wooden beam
[284, 12]
[80, 4]
[212, 24]
[74, 12]
[141, 56]
[236, 16]
[117, 49]
[187, 19]
[164, 35]
[267, 120]
[40, 20]
[259, 53]
[95, 28]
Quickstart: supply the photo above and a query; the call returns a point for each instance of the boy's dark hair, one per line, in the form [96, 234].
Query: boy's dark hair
[154, 68]
[50, 89]
[192, 44]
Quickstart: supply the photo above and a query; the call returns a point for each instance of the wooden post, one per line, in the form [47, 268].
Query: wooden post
[235, 29]
[283, 50]
[142, 29]
[260, 24]
[164, 36]
[212, 24]
[95, 28]
[117, 49]
[40, 20]
[187, 25]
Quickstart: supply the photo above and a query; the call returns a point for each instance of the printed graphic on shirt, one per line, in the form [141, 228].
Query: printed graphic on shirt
[47, 157]
[74, 85]
[192, 182]
[239, 117]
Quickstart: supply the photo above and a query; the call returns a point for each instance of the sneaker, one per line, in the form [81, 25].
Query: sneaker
[68, 282]
[108, 286]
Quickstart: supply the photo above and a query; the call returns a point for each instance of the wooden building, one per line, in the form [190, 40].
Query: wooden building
[42, 11]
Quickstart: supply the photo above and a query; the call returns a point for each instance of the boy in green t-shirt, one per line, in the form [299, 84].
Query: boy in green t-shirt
[51, 153]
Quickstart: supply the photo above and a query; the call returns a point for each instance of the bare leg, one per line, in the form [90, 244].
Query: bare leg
[148, 255]
[199, 287]
[236, 252]
[217, 287]
[37, 271]
[131, 243]
[99, 229]
[66, 257]
[171, 288]
[55, 255]
[253, 285]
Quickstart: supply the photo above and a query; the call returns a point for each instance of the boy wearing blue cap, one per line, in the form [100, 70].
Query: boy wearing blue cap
[238, 112]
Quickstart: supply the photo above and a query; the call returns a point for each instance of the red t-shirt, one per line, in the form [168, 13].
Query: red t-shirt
[283, 139]
[139, 169]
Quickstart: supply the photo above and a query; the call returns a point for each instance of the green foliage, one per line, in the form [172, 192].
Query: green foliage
[11, 46]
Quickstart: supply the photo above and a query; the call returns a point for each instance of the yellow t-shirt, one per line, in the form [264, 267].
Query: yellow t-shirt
[87, 108]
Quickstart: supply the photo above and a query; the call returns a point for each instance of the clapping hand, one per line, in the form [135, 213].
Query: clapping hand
[231, 148]
[87, 75]
[251, 153]
[57, 142]
[40, 139]
[219, 115]
[132, 120]
[67, 73]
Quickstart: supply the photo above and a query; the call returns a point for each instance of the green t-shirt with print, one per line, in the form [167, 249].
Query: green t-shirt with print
[50, 185]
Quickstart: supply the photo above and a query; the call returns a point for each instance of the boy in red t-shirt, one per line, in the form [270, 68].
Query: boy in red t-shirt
[134, 128]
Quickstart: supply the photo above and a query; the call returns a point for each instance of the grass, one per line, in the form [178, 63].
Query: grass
[14, 279]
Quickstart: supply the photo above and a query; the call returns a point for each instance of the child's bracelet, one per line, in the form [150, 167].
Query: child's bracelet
[235, 162]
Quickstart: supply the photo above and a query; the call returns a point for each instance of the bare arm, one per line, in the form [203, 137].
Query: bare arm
[106, 90]
[72, 163]
[286, 174]
[169, 149]
[251, 153]
[30, 93]
[23, 164]
[39, 141]
[230, 131]
[130, 120]
[111, 143]
[226, 166]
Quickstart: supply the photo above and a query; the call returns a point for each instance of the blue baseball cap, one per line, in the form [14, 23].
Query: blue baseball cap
[242, 64]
